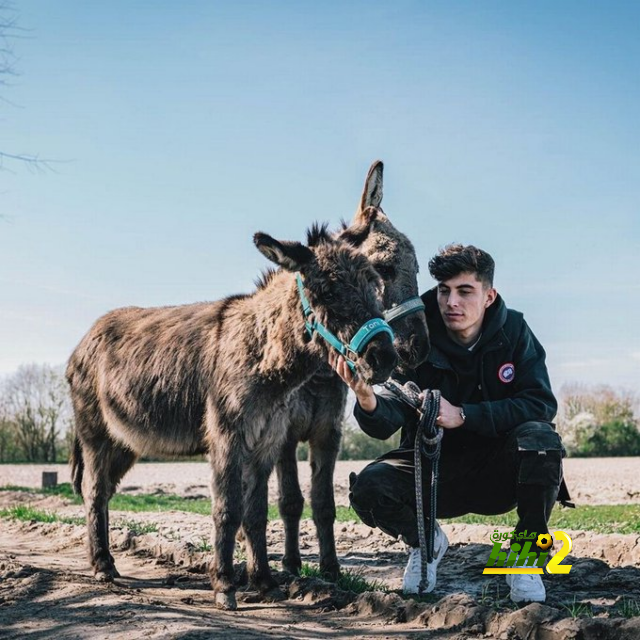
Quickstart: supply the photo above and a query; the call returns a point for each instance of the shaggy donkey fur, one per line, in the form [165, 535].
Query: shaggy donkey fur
[319, 407]
[218, 378]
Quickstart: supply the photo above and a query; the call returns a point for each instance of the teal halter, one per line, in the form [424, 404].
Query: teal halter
[363, 336]
[410, 305]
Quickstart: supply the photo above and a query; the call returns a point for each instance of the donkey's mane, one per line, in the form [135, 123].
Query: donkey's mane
[265, 278]
[318, 233]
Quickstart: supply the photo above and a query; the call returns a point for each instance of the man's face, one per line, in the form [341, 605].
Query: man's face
[463, 301]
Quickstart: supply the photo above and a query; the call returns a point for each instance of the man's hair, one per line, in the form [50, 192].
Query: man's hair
[455, 259]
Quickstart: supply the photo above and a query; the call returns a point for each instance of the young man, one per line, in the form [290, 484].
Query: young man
[500, 450]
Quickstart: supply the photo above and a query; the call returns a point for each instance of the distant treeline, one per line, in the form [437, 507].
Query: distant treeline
[35, 415]
[36, 421]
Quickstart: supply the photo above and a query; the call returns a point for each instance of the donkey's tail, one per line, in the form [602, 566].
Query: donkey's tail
[77, 466]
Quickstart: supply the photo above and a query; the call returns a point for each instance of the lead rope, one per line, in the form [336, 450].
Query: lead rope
[427, 441]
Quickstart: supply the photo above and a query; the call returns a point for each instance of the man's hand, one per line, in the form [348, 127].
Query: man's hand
[364, 392]
[449, 416]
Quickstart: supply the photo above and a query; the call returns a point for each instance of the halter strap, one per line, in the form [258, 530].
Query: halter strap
[410, 305]
[356, 346]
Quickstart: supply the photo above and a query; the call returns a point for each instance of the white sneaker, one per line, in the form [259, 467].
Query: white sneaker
[526, 587]
[413, 571]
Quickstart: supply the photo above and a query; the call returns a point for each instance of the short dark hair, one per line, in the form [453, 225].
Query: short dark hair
[455, 259]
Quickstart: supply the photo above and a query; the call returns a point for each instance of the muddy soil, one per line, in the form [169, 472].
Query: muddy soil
[46, 588]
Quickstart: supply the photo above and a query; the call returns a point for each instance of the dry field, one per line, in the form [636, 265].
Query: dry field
[46, 589]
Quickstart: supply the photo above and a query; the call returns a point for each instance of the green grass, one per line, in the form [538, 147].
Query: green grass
[203, 545]
[137, 528]
[628, 608]
[622, 518]
[598, 518]
[166, 502]
[348, 581]
[29, 514]
[579, 609]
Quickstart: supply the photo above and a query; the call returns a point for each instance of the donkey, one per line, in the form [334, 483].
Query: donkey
[320, 404]
[219, 378]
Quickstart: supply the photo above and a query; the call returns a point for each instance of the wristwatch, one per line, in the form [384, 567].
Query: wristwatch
[463, 415]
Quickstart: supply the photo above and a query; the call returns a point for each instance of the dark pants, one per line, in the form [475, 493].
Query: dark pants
[522, 470]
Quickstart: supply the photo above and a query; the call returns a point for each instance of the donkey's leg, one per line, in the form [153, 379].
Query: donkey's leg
[226, 506]
[323, 452]
[105, 462]
[256, 494]
[290, 504]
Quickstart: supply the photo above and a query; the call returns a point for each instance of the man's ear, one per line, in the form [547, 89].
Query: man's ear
[292, 256]
[492, 294]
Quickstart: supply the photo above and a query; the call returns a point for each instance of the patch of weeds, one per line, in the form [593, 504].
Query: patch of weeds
[349, 579]
[487, 597]
[27, 513]
[309, 571]
[628, 608]
[137, 528]
[203, 545]
[493, 598]
[579, 609]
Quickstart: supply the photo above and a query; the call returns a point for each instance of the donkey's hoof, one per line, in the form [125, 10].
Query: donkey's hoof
[292, 567]
[106, 575]
[330, 573]
[105, 572]
[226, 601]
[275, 594]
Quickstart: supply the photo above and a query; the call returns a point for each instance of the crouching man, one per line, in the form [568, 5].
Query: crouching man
[500, 450]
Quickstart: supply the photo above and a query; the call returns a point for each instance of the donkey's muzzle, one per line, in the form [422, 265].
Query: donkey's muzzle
[379, 360]
[415, 350]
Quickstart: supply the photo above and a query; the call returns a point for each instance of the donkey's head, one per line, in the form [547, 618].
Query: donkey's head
[343, 291]
[394, 258]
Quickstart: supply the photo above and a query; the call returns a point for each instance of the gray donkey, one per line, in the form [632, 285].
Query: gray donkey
[219, 378]
[320, 404]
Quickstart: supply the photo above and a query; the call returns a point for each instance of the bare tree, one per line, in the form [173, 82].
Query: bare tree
[9, 31]
[36, 401]
[8, 447]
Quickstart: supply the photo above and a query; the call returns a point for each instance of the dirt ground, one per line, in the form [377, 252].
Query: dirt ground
[46, 588]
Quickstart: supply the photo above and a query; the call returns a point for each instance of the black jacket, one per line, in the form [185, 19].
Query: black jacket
[500, 384]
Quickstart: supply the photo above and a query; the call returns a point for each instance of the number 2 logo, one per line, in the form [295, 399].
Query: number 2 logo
[554, 566]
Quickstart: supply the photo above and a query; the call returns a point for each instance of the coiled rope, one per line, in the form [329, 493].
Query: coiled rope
[428, 441]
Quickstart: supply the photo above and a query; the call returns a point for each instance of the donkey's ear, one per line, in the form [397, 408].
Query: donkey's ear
[292, 256]
[359, 231]
[372, 192]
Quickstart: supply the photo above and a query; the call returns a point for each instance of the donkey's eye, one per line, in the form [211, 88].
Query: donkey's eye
[386, 271]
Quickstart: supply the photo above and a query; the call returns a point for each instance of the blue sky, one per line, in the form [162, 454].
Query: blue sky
[180, 129]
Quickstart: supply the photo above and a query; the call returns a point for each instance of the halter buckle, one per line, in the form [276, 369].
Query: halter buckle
[350, 355]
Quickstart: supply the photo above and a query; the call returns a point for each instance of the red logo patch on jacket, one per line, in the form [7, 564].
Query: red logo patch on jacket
[507, 372]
